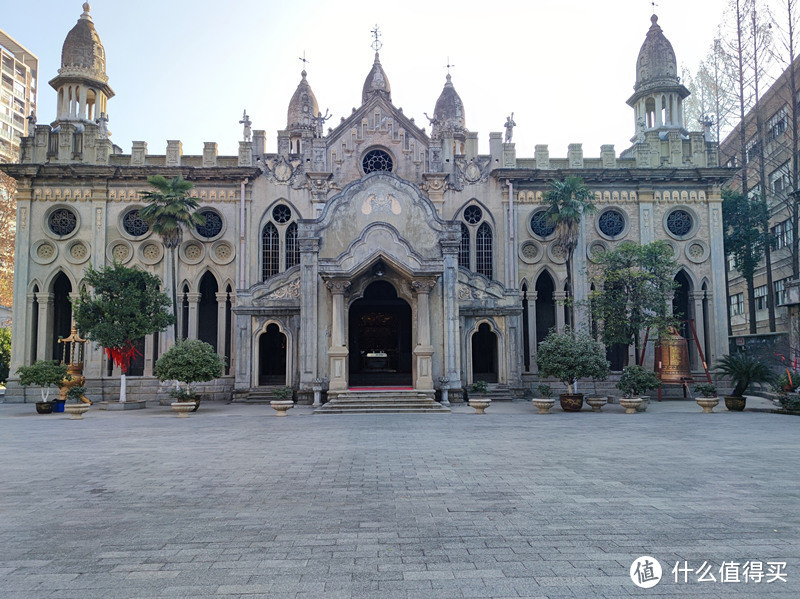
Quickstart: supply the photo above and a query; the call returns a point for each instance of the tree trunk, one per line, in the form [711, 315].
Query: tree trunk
[751, 305]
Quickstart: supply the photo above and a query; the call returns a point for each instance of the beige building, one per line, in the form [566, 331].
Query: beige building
[19, 72]
[374, 253]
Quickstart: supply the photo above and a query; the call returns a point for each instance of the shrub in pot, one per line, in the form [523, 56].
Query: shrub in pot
[188, 361]
[545, 392]
[636, 381]
[570, 356]
[744, 370]
[43, 373]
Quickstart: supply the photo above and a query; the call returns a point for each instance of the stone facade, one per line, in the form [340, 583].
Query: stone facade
[373, 254]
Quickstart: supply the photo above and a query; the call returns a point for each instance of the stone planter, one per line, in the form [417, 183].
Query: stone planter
[544, 405]
[76, 410]
[184, 407]
[735, 404]
[44, 407]
[480, 405]
[707, 403]
[630, 404]
[571, 402]
[645, 403]
[596, 403]
[281, 406]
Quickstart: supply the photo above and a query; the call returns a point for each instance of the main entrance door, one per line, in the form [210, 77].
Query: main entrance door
[380, 338]
[272, 357]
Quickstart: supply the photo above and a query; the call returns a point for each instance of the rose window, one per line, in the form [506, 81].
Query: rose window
[213, 225]
[679, 222]
[541, 224]
[62, 221]
[281, 214]
[134, 224]
[473, 215]
[611, 223]
[377, 160]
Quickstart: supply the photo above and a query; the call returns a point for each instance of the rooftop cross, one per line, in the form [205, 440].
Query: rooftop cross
[304, 60]
[448, 65]
[377, 44]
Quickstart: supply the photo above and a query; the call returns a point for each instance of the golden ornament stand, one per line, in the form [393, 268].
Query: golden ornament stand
[75, 353]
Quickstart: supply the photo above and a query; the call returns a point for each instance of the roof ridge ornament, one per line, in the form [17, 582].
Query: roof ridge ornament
[376, 44]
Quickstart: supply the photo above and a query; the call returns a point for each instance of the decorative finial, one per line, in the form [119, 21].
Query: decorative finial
[377, 44]
[247, 133]
[85, 13]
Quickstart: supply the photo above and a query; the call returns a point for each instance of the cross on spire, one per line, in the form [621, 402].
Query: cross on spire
[304, 60]
[377, 44]
[448, 65]
[653, 2]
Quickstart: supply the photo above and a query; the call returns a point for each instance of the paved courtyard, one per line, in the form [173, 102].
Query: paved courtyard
[233, 502]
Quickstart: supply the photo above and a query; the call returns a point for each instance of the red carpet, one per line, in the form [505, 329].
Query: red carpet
[381, 389]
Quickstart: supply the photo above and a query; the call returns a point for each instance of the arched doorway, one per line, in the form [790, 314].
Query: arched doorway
[62, 313]
[484, 354]
[207, 313]
[380, 338]
[681, 307]
[545, 306]
[272, 356]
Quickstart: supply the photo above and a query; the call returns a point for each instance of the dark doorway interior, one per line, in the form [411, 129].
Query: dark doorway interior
[380, 338]
[62, 313]
[484, 355]
[545, 307]
[207, 313]
[681, 309]
[272, 356]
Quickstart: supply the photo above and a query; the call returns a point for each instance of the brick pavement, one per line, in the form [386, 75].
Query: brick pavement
[233, 502]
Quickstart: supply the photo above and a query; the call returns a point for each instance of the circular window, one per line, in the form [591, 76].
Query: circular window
[611, 223]
[377, 160]
[281, 214]
[541, 224]
[473, 215]
[134, 224]
[679, 222]
[213, 225]
[62, 221]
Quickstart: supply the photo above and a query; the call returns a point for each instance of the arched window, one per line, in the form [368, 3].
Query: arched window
[292, 247]
[270, 252]
[463, 253]
[483, 251]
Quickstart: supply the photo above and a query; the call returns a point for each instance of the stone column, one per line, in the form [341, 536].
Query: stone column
[194, 298]
[423, 352]
[338, 352]
[149, 358]
[452, 337]
[559, 297]
[699, 327]
[44, 349]
[532, 297]
[29, 356]
[222, 300]
[309, 327]
[244, 345]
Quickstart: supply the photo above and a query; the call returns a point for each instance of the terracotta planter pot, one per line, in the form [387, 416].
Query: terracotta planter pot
[571, 403]
[735, 404]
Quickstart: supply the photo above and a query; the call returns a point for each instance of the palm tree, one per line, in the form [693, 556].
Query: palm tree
[569, 200]
[169, 209]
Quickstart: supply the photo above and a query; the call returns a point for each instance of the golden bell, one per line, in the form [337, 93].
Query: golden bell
[672, 359]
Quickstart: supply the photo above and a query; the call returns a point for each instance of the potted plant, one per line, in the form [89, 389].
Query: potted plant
[284, 401]
[708, 399]
[744, 370]
[43, 374]
[570, 356]
[188, 361]
[634, 383]
[77, 404]
[545, 400]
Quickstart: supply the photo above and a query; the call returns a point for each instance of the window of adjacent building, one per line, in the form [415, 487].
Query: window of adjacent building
[783, 234]
[751, 149]
[777, 124]
[731, 263]
[780, 292]
[779, 180]
[737, 304]
[280, 248]
[477, 242]
[760, 296]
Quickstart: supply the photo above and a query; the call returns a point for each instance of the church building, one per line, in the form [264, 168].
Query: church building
[376, 253]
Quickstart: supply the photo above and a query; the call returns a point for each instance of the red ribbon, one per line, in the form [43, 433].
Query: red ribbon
[122, 356]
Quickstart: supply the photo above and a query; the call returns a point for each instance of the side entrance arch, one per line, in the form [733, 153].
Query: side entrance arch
[272, 356]
[484, 354]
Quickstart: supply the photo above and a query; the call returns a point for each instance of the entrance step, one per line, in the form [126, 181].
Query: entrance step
[256, 395]
[495, 392]
[390, 401]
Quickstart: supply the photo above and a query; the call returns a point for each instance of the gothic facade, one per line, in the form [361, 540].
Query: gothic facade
[374, 253]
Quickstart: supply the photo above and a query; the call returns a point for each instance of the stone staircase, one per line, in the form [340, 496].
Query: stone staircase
[495, 392]
[256, 395]
[377, 401]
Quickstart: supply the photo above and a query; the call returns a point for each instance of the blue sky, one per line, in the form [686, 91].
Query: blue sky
[186, 69]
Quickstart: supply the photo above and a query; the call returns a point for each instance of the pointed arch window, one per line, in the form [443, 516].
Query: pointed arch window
[270, 251]
[292, 247]
[483, 250]
[463, 252]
